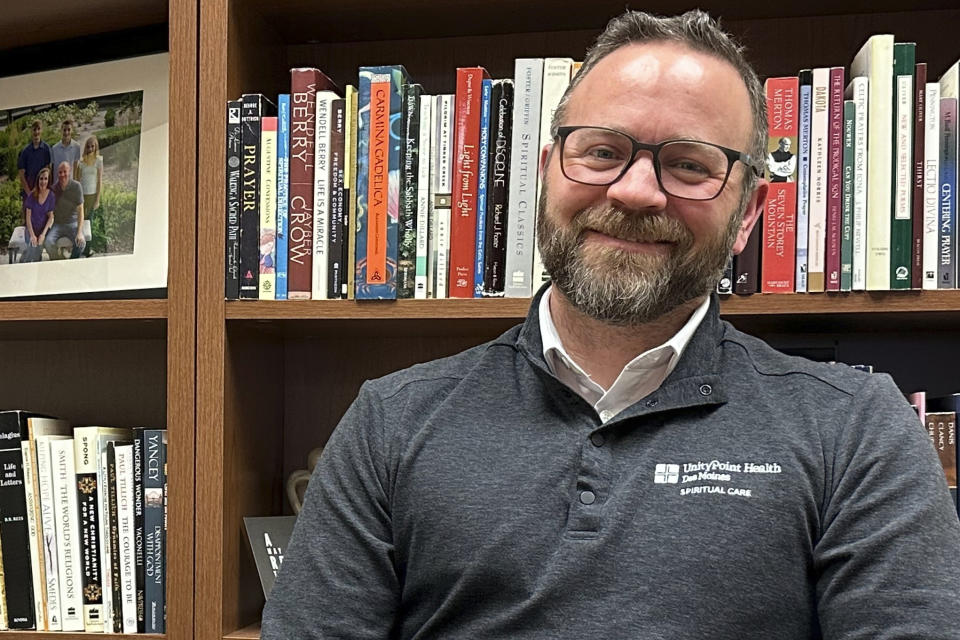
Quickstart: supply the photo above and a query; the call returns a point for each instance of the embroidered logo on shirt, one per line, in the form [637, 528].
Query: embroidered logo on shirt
[712, 477]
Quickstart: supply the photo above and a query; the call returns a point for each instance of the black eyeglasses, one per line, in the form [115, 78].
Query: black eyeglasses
[687, 169]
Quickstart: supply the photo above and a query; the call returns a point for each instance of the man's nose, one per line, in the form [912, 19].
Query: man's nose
[638, 188]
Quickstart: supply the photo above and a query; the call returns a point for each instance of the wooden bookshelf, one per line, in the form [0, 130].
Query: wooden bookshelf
[123, 362]
[273, 378]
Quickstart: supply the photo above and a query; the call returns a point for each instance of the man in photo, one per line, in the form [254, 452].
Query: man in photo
[781, 163]
[34, 157]
[625, 464]
[67, 217]
[67, 149]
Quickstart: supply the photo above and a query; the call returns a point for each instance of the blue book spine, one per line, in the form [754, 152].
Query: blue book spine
[486, 88]
[947, 263]
[803, 180]
[283, 193]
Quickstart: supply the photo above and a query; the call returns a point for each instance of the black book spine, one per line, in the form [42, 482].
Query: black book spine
[255, 106]
[17, 571]
[234, 179]
[746, 267]
[138, 524]
[153, 456]
[336, 273]
[409, 168]
[498, 187]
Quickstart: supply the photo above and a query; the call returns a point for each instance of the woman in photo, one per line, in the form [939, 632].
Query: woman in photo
[89, 174]
[39, 205]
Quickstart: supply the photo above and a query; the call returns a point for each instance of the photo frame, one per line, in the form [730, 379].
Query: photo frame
[118, 114]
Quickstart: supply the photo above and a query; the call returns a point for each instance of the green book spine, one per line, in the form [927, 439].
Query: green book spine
[846, 237]
[901, 222]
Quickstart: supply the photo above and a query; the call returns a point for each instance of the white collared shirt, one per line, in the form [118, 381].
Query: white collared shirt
[640, 377]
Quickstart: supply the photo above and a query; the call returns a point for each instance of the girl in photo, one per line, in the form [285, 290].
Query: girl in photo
[89, 174]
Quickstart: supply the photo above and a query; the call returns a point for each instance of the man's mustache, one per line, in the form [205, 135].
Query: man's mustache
[630, 226]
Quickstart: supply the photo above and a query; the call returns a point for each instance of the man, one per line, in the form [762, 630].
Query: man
[625, 464]
[33, 157]
[782, 164]
[67, 149]
[67, 215]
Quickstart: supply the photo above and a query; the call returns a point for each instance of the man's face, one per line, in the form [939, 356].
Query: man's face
[785, 144]
[63, 174]
[35, 134]
[67, 132]
[627, 253]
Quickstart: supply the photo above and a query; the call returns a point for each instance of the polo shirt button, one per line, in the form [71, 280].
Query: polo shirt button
[606, 414]
[705, 389]
[587, 497]
[597, 439]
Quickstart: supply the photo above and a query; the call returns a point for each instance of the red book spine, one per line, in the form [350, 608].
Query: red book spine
[835, 180]
[304, 84]
[463, 221]
[778, 262]
[919, 147]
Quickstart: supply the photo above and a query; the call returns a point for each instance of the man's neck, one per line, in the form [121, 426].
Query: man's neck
[36, 145]
[65, 142]
[603, 350]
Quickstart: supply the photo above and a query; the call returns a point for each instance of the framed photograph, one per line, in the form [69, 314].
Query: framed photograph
[83, 179]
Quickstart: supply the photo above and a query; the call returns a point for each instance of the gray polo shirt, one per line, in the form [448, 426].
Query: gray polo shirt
[752, 496]
[69, 200]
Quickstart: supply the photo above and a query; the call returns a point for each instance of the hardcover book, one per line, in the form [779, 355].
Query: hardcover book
[482, 179]
[779, 225]
[931, 187]
[857, 90]
[267, 246]
[901, 223]
[916, 188]
[255, 106]
[409, 180]
[68, 533]
[803, 179]
[498, 189]
[947, 269]
[283, 194]
[834, 180]
[819, 173]
[233, 180]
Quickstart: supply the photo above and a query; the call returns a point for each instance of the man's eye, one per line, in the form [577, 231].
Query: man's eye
[603, 153]
[689, 166]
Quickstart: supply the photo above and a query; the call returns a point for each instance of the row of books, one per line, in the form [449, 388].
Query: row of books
[83, 531]
[939, 417]
[863, 179]
[386, 191]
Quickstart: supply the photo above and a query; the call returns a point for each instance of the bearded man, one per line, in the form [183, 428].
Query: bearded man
[625, 464]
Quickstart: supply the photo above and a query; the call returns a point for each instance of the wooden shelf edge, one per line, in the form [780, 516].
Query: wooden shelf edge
[59, 635]
[247, 633]
[81, 310]
[859, 302]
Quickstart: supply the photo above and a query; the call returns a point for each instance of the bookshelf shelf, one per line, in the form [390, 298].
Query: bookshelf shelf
[247, 633]
[77, 310]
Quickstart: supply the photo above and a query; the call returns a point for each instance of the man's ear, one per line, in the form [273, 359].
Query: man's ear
[752, 215]
[545, 156]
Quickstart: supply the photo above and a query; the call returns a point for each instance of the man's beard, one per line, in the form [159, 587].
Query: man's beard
[622, 288]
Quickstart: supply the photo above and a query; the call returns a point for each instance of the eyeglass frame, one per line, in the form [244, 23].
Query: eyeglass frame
[732, 156]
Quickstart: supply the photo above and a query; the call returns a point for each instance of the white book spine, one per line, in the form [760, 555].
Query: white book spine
[904, 148]
[931, 185]
[33, 533]
[48, 534]
[860, 183]
[443, 249]
[443, 194]
[556, 79]
[423, 197]
[434, 181]
[321, 194]
[875, 60]
[125, 529]
[819, 154]
[524, 160]
[68, 534]
[106, 562]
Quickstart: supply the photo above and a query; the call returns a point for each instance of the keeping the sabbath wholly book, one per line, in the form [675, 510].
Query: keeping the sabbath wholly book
[625, 453]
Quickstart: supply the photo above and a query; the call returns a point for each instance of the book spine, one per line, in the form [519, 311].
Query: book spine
[321, 196]
[803, 179]
[48, 537]
[303, 114]
[463, 218]
[931, 187]
[336, 284]
[901, 225]
[498, 172]
[105, 522]
[350, 191]
[424, 143]
[409, 176]
[153, 517]
[482, 179]
[778, 257]
[283, 194]
[948, 185]
[919, 138]
[68, 533]
[250, 198]
[846, 238]
[138, 526]
[860, 94]
[442, 194]
[33, 533]
[942, 429]
[834, 180]
[116, 563]
[15, 540]
[126, 556]
[524, 160]
[819, 171]
[86, 465]
[267, 254]
[233, 181]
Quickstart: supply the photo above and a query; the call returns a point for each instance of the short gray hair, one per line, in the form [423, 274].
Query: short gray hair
[694, 29]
